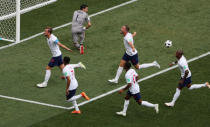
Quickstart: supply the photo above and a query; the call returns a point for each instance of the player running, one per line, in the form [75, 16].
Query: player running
[185, 80]
[131, 54]
[72, 83]
[56, 59]
[80, 17]
[134, 91]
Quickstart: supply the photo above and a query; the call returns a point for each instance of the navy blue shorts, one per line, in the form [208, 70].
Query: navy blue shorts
[137, 96]
[187, 81]
[71, 94]
[134, 59]
[56, 61]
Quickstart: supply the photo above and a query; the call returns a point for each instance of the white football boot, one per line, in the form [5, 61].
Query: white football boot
[113, 81]
[169, 104]
[42, 85]
[156, 64]
[82, 65]
[121, 113]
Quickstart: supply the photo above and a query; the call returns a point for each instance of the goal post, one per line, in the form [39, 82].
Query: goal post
[10, 12]
[17, 40]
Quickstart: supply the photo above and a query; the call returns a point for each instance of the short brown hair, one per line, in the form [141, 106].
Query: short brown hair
[50, 29]
[127, 27]
[180, 52]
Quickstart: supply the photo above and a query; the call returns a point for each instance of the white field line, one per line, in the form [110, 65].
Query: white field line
[140, 80]
[33, 102]
[102, 95]
[67, 24]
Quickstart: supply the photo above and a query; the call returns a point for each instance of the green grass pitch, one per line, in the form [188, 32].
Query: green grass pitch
[186, 23]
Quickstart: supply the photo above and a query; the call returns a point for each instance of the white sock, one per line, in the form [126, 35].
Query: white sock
[147, 104]
[47, 76]
[176, 95]
[75, 105]
[197, 86]
[146, 65]
[119, 71]
[75, 65]
[126, 103]
[75, 98]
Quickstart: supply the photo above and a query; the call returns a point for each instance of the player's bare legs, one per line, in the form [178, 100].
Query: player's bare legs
[119, 72]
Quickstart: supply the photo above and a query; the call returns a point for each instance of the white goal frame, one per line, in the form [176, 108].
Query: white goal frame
[18, 13]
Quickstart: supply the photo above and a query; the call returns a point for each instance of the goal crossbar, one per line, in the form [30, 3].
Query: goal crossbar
[4, 17]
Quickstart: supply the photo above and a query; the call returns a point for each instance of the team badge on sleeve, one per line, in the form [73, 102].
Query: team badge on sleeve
[65, 74]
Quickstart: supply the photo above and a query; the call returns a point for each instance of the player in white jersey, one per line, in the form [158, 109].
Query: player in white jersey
[133, 90]
[185, 80]
[72, 83]
[79, 19]
[131, 54]
[56, 59]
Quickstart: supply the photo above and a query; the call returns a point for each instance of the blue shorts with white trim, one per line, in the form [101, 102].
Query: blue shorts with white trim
[136, 96]
[56, 61]
[134, 59]
[71, 94]
[187, 81]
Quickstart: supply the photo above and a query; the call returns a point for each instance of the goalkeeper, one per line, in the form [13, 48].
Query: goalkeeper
[80, 17]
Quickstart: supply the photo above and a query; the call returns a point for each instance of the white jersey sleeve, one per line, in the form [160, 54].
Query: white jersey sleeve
[128, 79]
[184, 66]
[53, 45]
[55, 39]
[66, 73]
[129, 38]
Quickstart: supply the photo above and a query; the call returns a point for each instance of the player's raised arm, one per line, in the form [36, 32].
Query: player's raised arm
[134, 34]
[63, 46]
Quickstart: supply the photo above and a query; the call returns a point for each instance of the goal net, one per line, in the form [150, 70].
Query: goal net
[10, 11]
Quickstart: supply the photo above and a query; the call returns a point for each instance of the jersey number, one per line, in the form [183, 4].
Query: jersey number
[77, 18]
[134, 79]
[72, 71]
